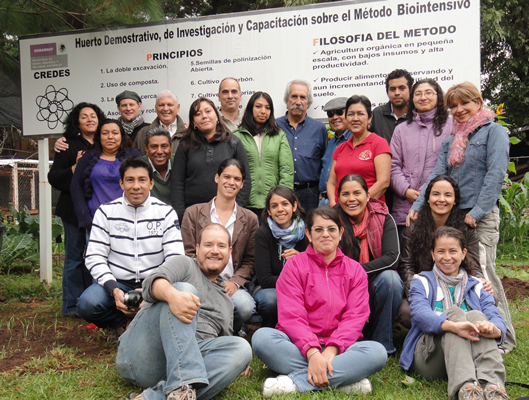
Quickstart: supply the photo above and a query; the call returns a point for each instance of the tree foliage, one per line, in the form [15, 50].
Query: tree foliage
[193, 8]
[24, 17]
[505, 56]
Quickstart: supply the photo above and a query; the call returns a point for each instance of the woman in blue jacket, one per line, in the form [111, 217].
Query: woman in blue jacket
[455, 325]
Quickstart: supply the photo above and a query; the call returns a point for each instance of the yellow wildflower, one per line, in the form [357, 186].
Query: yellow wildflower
[499, 110]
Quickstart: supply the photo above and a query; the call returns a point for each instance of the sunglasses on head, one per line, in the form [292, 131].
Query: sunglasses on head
[339, 113]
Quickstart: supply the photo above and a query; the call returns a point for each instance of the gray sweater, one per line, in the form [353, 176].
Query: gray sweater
[216, 308]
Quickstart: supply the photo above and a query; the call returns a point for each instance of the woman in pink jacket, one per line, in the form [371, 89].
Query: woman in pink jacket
[415, 146]
[323, 304]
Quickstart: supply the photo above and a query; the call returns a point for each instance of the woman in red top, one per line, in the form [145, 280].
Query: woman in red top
[365, 154]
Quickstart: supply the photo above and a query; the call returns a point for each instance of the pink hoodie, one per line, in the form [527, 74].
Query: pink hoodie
[320, 304]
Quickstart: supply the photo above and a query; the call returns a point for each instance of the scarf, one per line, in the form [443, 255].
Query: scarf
[360, 232]
[288, 237]
[461, 132]
[459, 282]
[130, 126]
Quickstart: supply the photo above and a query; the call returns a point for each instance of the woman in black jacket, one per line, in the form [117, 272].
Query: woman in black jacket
[206, 143]
[281, 236]
[80, 127]
[370, 237]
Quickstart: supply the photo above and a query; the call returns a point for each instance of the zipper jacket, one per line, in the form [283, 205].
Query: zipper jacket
[128, 243]
[272, 166]
[322, 304]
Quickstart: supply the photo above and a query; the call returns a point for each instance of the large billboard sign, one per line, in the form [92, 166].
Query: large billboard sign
[341, 48]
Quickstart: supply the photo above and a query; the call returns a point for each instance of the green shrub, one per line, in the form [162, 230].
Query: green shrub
[514, 208]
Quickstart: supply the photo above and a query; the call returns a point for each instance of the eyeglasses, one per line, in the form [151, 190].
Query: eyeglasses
[428, 93]
[331, 230]
[339, 113]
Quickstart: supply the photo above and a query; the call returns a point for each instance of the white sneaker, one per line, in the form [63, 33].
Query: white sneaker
[281, 384]
[363, 386]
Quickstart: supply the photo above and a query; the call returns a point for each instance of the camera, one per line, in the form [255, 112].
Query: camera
[133, 299]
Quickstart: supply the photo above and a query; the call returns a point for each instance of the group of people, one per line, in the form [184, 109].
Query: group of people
[331, 241]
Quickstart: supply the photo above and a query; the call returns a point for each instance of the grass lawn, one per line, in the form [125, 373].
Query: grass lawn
[87, 371]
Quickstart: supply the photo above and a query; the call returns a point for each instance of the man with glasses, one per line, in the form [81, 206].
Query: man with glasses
[336, 113]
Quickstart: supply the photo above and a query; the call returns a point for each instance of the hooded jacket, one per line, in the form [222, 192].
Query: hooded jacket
[320, 304]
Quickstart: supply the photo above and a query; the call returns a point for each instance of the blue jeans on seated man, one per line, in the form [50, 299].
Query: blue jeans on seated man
[75, 276]
[151, 355]
[277, 351]
[98, 307]
[243, 308]
[266, 301]
[385, 296]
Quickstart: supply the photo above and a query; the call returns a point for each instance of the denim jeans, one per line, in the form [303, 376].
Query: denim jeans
[243, 308]
[161, 353]
[75, 276]
[359, 361]
[385, 296]
[308, 198]
[266, 301]
[96, 306]
[323, 202]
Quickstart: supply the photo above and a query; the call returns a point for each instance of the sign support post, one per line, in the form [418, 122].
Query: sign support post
[45, 245]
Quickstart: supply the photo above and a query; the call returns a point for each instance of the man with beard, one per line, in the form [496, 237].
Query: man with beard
[173, 349]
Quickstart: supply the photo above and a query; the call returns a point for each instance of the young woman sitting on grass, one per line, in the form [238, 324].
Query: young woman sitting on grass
[455, 325]
[323, 304]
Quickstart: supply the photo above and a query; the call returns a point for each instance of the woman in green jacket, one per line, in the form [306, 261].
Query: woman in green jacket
[266, 145]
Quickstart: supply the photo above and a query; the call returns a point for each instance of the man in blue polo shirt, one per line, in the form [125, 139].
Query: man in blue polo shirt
[307, 139]
[335, 109]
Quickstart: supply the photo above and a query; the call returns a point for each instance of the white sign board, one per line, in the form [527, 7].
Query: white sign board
[341, 48]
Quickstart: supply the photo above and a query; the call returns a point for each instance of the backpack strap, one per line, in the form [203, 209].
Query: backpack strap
[424, 282]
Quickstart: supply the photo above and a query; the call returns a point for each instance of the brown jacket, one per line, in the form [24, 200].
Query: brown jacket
[139, 142]
[411, 262]
[197, 217]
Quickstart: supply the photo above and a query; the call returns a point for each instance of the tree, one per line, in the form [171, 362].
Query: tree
[24, 17]
[505, 56]
[194, 8]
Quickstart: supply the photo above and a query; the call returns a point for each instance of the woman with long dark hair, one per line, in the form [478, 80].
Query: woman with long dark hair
[280, 237]
[440, 210]
[370, 237]
[206, 143]
[415, 146]
[455, 325]
[96, 177]
[269, 154]
[80, 127]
